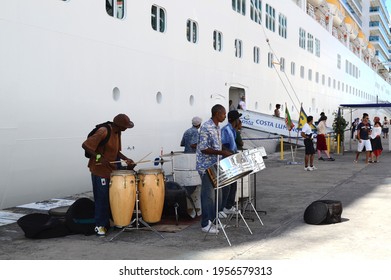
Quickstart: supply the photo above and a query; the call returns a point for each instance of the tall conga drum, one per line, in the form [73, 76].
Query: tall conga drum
[151, 194]
[122, 193]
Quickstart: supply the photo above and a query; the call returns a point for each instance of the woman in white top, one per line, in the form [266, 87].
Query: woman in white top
[377, 147]
[321, 145]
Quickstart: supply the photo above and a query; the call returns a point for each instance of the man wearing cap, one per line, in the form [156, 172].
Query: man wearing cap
[190, 137]
[228, 137]
[101, 166]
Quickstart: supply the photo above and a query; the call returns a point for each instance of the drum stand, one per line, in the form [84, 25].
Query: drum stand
[137, 221]
[249, 201]
[217, 222]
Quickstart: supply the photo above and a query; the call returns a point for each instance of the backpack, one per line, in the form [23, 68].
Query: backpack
[104, 141]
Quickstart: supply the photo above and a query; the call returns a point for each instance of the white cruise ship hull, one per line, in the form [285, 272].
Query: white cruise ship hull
[66, 66]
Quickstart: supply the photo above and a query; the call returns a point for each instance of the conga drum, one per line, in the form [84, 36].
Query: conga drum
[151, 194]
[122, 193]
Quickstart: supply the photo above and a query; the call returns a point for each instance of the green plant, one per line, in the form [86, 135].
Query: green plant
[339, 125]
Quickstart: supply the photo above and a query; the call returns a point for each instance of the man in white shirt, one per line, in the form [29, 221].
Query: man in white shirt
[242, 103]
[306, 133]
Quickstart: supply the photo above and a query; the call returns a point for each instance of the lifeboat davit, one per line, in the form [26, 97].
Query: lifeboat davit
[351, 27]
[337, 11]
[362, 40]
[371, 50]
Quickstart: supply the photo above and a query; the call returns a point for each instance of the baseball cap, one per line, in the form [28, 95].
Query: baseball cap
[123, 120]
[233, 115]
[196, 121]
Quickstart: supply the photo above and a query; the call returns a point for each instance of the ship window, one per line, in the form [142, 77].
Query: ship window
[282, 64]
[256, 11]
[334, 84]
[339, 61]
[158, 18]
[293, 68]
[282, 27]
[238, 48]
[217, 40]
[302, 72]
[302, 38]
[192, 31]
[323, 79]
[329, 82]
[310, 45]
[309, 74]
[256, 54]
[317, 47]
[317, 77]
[339, 85]
[270, 60]
[239, 6]
[270, 18]
[343, 86]
[116, 8]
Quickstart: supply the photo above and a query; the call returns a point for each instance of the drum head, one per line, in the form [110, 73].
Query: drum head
[150, 171]
[122, 172]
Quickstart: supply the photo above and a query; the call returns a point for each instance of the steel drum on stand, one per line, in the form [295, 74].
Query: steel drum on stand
[230, 169]
[255, 156]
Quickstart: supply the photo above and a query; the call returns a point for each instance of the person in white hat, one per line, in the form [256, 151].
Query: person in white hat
[190, 137]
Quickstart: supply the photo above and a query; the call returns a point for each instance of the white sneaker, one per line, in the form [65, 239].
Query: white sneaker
[308, 168]
[314, 168]
[210, 228]
[100, 231]
[222, 215]
[232, 210]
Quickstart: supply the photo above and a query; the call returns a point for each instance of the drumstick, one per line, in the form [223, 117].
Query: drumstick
[119, 161]
[145, 157]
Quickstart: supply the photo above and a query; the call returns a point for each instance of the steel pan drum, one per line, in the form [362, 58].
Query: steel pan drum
[255, 156]
[229, 170]
[122, 194]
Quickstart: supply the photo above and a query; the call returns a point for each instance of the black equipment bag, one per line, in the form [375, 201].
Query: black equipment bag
[42, 226]
[104, 141]
[80, 217]
[323, 212]
[175, 198]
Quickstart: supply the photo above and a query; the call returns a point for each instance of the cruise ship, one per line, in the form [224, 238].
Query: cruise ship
[67, 65]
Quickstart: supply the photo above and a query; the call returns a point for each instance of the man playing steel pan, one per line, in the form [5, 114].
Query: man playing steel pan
[209, 148]
[228, 137]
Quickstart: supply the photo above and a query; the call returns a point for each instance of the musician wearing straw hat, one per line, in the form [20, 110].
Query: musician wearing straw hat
[209, 149]
[101, 165]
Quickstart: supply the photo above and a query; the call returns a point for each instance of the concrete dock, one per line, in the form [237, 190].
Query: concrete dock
[283, 191]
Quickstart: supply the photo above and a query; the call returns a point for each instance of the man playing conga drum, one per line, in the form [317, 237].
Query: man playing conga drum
[101, 166]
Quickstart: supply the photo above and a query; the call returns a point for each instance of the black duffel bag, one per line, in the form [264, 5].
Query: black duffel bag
[323, 212]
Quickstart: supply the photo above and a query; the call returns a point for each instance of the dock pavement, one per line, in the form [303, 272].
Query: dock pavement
[282, 190]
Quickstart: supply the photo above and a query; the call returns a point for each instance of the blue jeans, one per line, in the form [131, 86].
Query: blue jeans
[100, 188]
[228, 196]
[208, 200]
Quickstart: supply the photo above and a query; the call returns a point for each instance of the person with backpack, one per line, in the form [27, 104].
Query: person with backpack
[103, 147]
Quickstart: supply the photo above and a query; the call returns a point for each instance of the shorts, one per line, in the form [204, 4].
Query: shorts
[366, 144]
[309, 147]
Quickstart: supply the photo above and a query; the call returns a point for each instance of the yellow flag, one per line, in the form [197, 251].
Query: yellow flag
[303, 119]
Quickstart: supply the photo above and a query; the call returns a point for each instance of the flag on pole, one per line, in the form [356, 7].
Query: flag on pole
[303, 119]
[288, 121]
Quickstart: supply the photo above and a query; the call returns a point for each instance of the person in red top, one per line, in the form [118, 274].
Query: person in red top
[101, 166]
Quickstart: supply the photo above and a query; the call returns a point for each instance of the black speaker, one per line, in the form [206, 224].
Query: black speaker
[323, 212]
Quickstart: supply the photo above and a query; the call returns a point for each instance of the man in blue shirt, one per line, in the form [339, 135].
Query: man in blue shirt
[228, 137]
[209, 149]
[190, 137]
